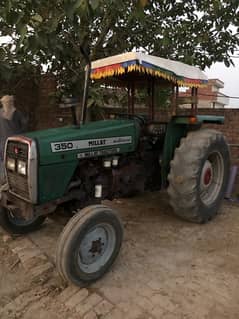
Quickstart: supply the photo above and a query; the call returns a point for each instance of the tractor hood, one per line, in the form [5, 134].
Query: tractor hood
[92, 139]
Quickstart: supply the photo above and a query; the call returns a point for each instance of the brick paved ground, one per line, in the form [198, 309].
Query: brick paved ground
[167, 269]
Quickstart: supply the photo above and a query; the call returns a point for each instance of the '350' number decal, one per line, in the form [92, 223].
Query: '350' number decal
[62, 146]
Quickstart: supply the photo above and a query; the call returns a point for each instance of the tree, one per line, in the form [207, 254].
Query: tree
[50, 33]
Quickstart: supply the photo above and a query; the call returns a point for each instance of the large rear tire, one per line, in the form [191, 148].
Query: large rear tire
[89, 244]
[199, 175]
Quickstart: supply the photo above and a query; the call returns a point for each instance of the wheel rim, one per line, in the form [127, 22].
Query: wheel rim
[96, 248]
[212, 176]
[19, 221]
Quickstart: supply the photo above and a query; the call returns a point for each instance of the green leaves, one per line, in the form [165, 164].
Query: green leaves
[143, 3]
[23, 31]
[5, 72]
[51, 32]
[2, 54]
[77, 7]
[37, 18]
[94, 4]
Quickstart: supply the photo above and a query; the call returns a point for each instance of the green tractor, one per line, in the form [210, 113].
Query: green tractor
[80, 165]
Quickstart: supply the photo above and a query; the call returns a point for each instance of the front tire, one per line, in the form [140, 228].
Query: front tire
[89, 244]
[17, 225]
[199, 175]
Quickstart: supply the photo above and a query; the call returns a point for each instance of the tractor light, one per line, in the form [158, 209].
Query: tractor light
[193, 120]
[98, 191]
[107, 163]
[11, 164]
[115, 161]
[22, 167]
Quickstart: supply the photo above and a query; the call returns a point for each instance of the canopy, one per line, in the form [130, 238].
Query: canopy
[177, 72]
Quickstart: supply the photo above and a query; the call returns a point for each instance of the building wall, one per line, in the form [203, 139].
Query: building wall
[26, 98]
[36, 99]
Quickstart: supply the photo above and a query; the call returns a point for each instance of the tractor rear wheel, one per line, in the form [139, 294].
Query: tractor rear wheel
[89, 244]
[199, 175]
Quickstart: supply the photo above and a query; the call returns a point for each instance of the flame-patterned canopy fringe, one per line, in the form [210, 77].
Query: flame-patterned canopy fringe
[144, 68]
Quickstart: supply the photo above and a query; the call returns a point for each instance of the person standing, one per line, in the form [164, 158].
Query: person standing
[12, 122]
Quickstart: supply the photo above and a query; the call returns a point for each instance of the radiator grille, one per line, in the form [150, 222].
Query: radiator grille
[18, 184]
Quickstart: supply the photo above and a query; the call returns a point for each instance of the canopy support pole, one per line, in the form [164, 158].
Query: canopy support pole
[129, 99]
[174, 99]
[152, 99]
[132, 97]
[151, 104]
[194, 105]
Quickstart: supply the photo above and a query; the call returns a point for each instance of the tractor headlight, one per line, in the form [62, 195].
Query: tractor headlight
[11, 164]
[22, 167]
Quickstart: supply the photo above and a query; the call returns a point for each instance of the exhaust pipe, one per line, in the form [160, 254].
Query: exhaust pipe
[86, 85]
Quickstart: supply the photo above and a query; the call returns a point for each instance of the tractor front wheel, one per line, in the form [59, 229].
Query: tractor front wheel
[199, 175]
[15, 224]
[89, 244]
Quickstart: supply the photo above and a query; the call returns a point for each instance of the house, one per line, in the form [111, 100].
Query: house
[209, 96]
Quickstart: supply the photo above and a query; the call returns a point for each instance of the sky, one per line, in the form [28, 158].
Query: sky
[230, 77]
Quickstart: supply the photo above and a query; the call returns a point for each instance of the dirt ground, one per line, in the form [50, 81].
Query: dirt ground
[167, 268]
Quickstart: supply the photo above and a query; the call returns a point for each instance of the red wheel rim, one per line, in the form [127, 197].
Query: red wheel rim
[207, 176]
